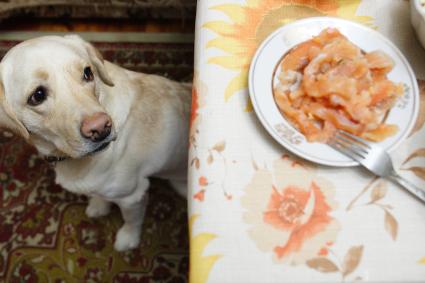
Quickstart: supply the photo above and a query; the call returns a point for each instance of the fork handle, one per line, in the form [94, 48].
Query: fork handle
[409, 186]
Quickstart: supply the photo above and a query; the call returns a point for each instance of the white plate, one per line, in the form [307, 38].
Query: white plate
[269, 54]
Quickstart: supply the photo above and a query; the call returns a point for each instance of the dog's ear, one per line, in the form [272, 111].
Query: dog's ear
[8, 117]
[95, 57]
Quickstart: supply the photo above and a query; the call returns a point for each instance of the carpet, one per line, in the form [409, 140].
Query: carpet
[44, 233]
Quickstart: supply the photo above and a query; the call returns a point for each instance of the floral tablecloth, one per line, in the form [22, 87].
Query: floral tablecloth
[248, 195]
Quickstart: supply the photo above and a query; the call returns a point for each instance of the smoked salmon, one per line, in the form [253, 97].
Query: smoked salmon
[328, 83]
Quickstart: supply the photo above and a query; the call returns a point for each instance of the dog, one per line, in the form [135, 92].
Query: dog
[105, 128]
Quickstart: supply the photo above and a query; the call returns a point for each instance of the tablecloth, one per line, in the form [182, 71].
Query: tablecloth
[248, 195]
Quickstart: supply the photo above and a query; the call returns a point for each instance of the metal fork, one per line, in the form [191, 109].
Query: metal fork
[373, 158]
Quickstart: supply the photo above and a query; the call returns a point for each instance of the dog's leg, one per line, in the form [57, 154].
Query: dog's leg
[133, 210]
[97, 207]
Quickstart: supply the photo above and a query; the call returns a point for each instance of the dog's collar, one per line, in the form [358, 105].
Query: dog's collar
[54, 159]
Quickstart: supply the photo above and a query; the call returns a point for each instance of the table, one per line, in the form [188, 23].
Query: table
[248, 195]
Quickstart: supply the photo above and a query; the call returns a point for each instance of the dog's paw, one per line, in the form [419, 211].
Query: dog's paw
[128, 237]
[97, 207]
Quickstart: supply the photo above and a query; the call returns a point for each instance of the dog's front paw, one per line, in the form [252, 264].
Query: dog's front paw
[128, 237]
[97, 207]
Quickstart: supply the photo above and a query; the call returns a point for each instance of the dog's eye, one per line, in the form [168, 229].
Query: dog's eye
[38, 96]
[88, 74]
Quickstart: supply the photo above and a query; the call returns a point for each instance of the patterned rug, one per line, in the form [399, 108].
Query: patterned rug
[44, 233]
[173, 60]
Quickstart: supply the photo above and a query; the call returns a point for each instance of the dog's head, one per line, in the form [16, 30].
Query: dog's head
[49, 94]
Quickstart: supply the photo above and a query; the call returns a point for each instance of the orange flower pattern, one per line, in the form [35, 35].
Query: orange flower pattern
[203, 181]
[294, 211]
[294, 219]
[200, 196]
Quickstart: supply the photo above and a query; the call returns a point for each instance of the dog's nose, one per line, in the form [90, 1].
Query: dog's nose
[96, 127]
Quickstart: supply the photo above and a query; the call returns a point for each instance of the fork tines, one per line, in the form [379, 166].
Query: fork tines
[350, 145]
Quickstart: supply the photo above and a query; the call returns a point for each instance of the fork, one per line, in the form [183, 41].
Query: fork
[373, 158]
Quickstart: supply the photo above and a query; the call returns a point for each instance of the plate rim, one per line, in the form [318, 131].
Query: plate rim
[282, 141]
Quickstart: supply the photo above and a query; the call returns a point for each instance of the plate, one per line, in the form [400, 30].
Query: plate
[269, 55]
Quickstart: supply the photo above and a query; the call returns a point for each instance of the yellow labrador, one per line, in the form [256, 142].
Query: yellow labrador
[107, 128]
